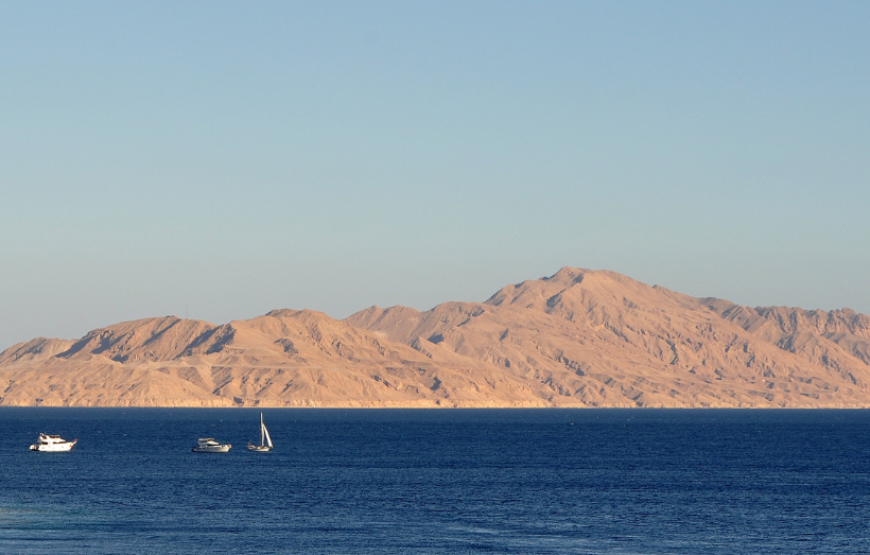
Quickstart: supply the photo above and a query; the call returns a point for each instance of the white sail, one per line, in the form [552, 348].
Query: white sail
[268, 439]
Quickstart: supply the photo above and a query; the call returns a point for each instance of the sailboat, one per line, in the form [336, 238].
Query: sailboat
[265, 440]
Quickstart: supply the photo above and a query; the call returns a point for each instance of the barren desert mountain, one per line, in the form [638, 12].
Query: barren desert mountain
[579, 338]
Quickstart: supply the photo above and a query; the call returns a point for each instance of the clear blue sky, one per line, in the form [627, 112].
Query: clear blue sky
[221, 159]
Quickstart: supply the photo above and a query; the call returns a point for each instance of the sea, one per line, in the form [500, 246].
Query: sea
[445, 481]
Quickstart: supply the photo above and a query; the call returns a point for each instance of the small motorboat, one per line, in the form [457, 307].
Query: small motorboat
[265, 440]
[52, 444]
[210, 445]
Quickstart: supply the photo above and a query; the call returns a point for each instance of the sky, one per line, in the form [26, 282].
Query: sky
[218, 160]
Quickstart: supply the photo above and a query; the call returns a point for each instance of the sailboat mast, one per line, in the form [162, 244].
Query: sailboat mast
[262, 430]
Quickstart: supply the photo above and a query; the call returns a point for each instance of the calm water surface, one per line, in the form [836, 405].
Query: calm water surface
[437, 482]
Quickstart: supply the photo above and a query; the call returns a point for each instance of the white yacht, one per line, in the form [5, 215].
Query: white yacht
[209, 445]
[50, 443]
[265, 440]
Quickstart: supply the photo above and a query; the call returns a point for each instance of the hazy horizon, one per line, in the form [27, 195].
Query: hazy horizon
[223, 160]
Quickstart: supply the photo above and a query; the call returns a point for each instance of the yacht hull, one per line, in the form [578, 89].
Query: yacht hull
[218, 449]
[56, 448]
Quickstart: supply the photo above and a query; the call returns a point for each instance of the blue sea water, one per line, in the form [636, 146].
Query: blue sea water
[438, 482]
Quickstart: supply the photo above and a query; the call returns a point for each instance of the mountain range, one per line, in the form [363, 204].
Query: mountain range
[579, 338]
